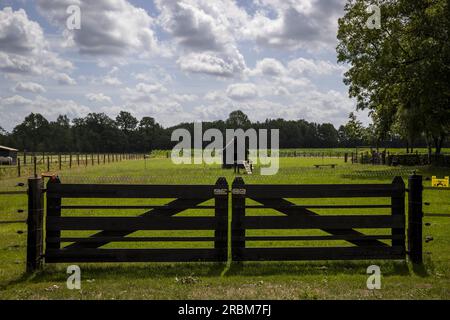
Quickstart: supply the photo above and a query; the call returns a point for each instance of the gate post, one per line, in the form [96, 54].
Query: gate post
[35, 224]
[238, 215]
[415, 215]
[221, 214]
[53, 210]
[398, 209]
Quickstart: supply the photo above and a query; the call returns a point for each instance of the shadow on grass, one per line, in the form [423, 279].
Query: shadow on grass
[154, 271]
[315, 268]
[52, 273]
[128, 271]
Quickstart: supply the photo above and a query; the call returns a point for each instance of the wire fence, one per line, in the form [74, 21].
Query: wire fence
[27, 165]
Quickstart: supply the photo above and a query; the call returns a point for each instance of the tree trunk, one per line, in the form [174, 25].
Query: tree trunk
[438, 142]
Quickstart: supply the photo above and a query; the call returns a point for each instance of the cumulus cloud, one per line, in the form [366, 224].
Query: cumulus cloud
[211, 64]
[242, 91]
[107, 27]
[64, 79]
[111, 81]
[23, 47]
[302, 66]
[98, 97]
[50, 108]
[143, 93]
[269, 67]
[205, 31]
[295, 23]
[205, 38]
[15, 100]
[149, 88]
[29, 87]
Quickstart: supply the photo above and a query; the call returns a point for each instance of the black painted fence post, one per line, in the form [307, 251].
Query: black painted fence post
[35, 224]
[237, 223]
[53, 211]
[398, 209]
[221, 214]
[415, 217]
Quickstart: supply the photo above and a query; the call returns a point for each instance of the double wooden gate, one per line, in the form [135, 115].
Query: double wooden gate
[338, 227]
[208, 207]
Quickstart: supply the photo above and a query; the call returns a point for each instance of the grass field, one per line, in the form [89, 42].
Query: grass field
[288, 280]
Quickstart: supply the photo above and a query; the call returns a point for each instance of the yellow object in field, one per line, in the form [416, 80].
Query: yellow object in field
[440, 183]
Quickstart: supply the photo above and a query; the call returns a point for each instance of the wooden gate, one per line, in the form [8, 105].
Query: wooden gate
[116, 229]
[360, 236]
[337, 227]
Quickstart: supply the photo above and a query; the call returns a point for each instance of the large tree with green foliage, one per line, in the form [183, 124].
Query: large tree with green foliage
[401, 70]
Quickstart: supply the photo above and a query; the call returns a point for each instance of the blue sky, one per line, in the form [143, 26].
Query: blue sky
[174, 60]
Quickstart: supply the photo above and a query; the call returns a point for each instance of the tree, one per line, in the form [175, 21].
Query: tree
[238, 120]
[402, 66]
[327, 135]
[126, 122]
[61, 133]
[352, 133]
[3, 136]
[33, 133]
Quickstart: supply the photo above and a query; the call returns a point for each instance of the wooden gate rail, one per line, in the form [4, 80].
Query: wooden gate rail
[341, 227]
[116, 229]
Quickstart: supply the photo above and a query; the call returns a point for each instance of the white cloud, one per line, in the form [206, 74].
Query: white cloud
[269, 67]
[211, 64]
[205, 31]
[15, 100]
[23, 47]
[149, 88]
[49, 108]
[293, 24]
[242, 91]
[29, 87]
[64, 79]
[302, 66]
[183, 98]
[98, 97]
[143, 93]
[107, 27]
[111, 81]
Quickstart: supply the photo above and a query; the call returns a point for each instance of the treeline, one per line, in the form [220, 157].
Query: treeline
[97, 132]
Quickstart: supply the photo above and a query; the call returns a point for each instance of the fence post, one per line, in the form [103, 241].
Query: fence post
[18, 167]
[48, 164]
[398, 209]
[34, 166]
[237, 223]
[53, 210]
[59, 160]
[221, 215]
[415, 215]
[35, 224]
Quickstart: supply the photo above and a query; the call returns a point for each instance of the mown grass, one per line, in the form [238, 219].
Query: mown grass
[287, 280]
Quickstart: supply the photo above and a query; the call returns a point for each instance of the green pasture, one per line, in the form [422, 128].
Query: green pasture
[280, 280]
